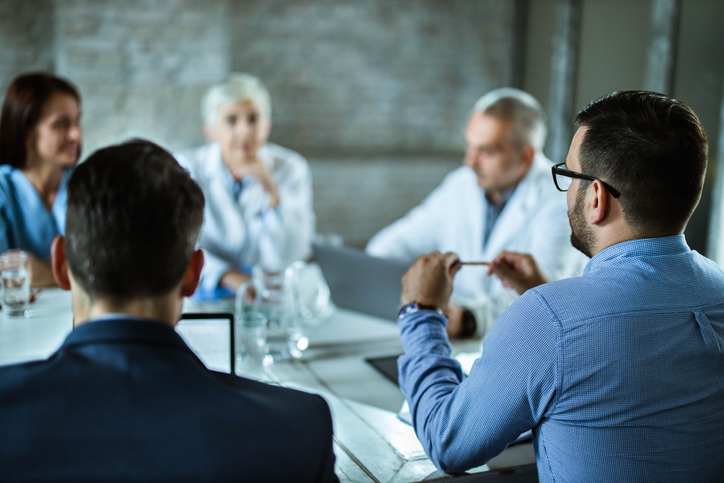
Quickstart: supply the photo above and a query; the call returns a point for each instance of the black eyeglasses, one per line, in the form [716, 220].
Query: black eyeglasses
[562, 178]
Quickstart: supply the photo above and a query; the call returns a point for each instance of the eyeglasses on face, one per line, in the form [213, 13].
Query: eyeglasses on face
[563, 178]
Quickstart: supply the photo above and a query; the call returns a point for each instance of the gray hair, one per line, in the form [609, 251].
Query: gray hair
[233, 88]
[529, 119]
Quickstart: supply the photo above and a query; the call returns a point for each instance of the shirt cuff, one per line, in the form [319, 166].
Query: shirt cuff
[424, 331]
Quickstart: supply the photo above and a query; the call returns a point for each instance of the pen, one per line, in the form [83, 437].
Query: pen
[473, 263]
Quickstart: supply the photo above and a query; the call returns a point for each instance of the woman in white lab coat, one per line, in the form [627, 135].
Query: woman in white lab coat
[258, 194]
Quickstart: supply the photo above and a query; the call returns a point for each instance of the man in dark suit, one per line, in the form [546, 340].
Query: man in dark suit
[124, 398]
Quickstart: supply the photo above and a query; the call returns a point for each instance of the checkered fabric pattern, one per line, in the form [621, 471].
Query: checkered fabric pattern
[620, 373]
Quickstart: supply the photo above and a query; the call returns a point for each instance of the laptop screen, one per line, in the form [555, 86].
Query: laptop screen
[210, 337]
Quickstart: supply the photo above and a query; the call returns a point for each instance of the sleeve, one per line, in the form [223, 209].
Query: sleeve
[416, 232]
[211, 273]
[326, 470]
[462, 425]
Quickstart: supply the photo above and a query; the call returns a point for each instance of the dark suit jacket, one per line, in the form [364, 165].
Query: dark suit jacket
[127, 400]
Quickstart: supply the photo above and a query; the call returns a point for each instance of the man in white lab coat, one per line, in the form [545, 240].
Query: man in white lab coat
[501, 199]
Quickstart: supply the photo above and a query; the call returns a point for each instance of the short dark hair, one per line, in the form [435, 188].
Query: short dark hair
[651, 148]
[24, 101]
[134, 216]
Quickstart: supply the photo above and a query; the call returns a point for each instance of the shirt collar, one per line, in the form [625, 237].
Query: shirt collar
[644, 247]
[116, 315]
[503, 199]
[124, 328]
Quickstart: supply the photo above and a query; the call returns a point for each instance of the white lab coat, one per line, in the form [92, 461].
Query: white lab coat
[248, 231]
[452, 218]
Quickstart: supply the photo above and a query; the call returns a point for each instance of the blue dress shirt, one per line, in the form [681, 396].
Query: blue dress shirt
[493, 211]
[25, 222]
[620, 373]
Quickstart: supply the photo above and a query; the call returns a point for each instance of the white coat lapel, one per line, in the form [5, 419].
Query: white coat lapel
[514, 216]
[223, 218]
[465, 235]
[472, 214]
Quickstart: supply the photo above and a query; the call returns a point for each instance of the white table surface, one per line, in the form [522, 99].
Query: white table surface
[371, 443]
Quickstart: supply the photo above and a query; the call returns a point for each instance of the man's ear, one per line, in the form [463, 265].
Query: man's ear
[193, 273]
[58, 263]
[527, 155]
[599, 204]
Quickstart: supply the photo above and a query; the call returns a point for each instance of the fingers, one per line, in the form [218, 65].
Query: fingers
[518, 271]
[429, 280]
[253, 167]
[507, 276]
[452, 263]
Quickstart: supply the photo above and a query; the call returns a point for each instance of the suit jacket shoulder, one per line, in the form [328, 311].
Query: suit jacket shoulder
[128, 400]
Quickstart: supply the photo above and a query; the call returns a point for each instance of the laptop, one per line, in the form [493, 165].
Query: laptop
[211, 337]
[361, 282]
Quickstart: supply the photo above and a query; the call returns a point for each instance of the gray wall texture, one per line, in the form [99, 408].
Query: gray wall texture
[375, 94]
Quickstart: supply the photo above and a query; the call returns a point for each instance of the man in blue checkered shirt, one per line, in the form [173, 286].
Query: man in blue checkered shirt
[620, 372]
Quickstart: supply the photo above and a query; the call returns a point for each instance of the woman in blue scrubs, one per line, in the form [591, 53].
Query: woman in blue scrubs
[40, 141]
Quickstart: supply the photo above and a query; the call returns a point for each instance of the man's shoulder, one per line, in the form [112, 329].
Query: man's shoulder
[15, 375]
[202, 417]
[539, 183]
[459, 184]
[554, 301]
[166, 373]
[294, 401]
[461, 175]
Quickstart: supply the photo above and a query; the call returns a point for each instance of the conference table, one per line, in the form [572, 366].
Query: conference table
[371, 443]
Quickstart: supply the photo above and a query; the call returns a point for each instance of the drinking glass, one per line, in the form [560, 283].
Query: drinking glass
[310, 292]
[268, 293]
[250, 344]
[15, 283]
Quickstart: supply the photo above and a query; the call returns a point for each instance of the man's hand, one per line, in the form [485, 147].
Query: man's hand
[257, 169]
[517, 271]
[430, 280]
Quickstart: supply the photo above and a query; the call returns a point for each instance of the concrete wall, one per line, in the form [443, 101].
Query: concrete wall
[374, 93]
[26, 38]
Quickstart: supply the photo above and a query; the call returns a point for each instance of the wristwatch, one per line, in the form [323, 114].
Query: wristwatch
[414, 307]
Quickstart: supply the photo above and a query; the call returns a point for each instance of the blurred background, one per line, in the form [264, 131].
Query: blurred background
[374, 93]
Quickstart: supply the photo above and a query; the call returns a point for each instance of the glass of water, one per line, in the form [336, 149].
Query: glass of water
[15, 283]
[250, 344]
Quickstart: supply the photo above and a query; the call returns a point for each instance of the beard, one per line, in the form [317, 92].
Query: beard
[582, 237]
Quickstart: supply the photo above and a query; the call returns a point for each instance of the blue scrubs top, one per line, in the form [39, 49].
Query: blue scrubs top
[25, 222]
